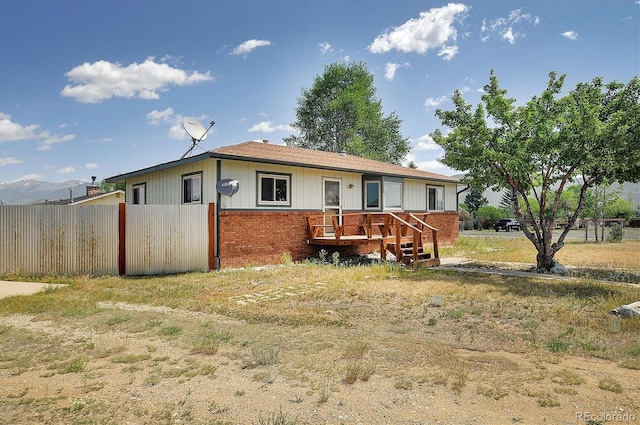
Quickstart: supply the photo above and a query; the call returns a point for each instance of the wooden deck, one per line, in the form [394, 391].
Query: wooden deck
[406, 235]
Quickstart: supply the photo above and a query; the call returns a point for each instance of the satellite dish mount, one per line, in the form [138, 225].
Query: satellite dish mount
[196, 130]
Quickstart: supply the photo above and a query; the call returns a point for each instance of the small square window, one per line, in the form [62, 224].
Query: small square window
[140, 194]
[274, 189]
[192, 189]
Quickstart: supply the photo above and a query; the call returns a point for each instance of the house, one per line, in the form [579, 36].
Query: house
[264, 195]
[92, 196]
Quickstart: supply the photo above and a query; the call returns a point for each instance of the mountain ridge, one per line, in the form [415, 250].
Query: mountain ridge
[30, 191]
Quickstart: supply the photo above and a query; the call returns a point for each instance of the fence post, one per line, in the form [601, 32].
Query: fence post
[122, 237]
[211, 221]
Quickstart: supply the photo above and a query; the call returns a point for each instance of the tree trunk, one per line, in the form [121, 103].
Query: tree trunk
[546, 251]
[545, 261]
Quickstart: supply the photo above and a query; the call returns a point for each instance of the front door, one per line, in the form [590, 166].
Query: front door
[331, 201]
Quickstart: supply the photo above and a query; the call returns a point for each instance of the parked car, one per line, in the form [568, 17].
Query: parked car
[507, 224]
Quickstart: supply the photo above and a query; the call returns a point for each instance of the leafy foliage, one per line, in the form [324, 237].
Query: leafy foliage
[475, 199]
[340, 113]
[587, 137]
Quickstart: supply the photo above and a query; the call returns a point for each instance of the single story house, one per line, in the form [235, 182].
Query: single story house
[93, 196]
[264, 193]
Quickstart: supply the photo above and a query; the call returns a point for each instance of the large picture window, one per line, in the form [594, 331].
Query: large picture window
[192, 189]
[371, 195]
[435, 198]
[274, 189]
[140, 194]
[392, 195]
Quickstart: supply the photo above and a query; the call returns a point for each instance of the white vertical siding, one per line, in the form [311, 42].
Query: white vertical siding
[415, 195]
[164, 187]
[306, 185]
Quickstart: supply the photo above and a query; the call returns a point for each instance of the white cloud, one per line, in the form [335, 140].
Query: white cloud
[248, 46]
[101, 140]
[90, 166]
[391, 68]
[424, 143]
[47, 142]
[156, 117]
[433, 29]
[571, 35]
[268, 127]
[67, 170]
[9, 161]
[434, 166]
[505, 27]
[434, 102]
[12, 132]
[325, 48]
[448, 52]
[95, 82]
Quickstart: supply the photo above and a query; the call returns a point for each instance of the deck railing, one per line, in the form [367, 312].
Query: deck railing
[387, 228]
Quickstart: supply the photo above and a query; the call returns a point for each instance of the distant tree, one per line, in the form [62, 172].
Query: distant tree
[475, 199]
[588, 136]
[618, 208]
[110, 187]
[412, 165]
[340, 113]
[506, 201]
[487, 215]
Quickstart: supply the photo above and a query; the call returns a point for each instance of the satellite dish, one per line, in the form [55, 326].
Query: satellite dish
[228, 187]
[196, 130]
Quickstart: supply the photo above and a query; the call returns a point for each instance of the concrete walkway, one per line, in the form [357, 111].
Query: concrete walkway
[10, 289]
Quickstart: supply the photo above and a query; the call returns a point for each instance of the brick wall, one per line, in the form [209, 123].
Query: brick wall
[447, 225]
[251, 238]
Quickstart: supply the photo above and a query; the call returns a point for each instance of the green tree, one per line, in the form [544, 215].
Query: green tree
[587, 136]
[487, 216]
[110, 187]
[340, 113]
[475, 199]
[618, 208]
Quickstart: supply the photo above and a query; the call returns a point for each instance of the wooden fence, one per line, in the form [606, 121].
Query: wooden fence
[106, 239]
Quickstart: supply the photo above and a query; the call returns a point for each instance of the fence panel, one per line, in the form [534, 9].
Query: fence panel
[163, 239]
[57, 239]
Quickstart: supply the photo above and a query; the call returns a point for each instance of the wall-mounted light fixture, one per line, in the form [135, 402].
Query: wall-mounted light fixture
[351, 186]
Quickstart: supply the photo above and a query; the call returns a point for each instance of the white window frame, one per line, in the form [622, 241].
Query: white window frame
[141, 188]
[438, 190]
[196, 188]
[366, 195]
[275, 177]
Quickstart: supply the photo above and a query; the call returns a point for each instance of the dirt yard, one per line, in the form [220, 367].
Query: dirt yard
[321, 345]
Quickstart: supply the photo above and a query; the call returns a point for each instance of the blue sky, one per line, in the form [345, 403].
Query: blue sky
[92, 87]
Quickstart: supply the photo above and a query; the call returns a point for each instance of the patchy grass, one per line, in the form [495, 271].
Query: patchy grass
[333, 332]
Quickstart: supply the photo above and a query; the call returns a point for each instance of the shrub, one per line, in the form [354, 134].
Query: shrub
[616, 233]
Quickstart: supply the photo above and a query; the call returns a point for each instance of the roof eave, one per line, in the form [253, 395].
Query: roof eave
[121, 178]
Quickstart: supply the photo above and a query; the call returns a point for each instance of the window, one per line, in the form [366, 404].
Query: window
[435, 198]
[371, 195]
[192, 188]
[140, 194]
[392, 195]
[274, 189]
